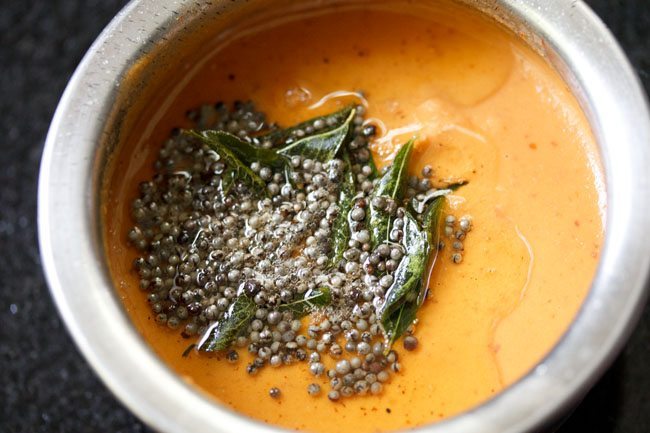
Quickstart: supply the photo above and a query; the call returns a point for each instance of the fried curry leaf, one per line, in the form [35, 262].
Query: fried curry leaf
[245, 151]
[431, 221]
[374, 172]
[288, 135]
[222, 333]
[396, 324]
[312, 299]
[410, 281]
[341, 226]
[391, 186]
[407, 280]
[322, 146]
[236, 169]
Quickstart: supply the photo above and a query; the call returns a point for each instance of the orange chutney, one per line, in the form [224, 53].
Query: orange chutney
[485, 108]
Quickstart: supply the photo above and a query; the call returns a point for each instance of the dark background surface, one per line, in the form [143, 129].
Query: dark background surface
[46, 386]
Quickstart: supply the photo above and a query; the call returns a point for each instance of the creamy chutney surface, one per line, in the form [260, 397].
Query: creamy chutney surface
[484, 108]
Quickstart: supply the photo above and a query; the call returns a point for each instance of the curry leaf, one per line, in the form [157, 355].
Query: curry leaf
[322, 146]
[411, 279]
[431, 221]
[312, 299]
[289, 135]
[245, 151]
[223, 332]
[407, 279]
[341, 226]
[236, 169]
[374, 172]
[391, 185]
[396, 324]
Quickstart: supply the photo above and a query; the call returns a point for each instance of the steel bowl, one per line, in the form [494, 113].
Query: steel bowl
[145, 39]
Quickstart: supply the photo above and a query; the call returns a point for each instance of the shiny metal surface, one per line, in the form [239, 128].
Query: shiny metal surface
[86, 128]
